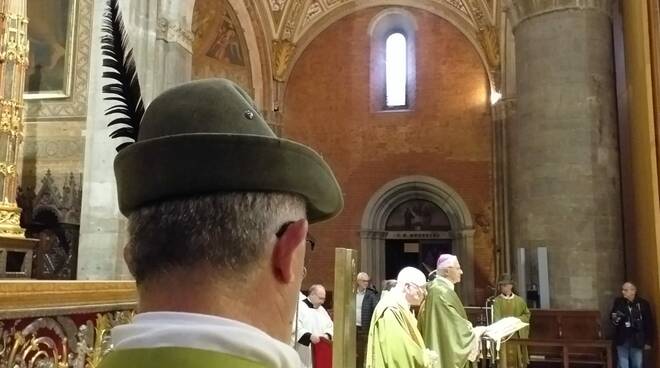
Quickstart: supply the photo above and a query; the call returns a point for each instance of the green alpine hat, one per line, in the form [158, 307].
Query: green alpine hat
[207, 137]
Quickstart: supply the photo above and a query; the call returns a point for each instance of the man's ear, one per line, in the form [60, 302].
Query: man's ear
[285, 248]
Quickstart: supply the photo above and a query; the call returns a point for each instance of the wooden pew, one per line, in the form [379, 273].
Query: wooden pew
[560, 337]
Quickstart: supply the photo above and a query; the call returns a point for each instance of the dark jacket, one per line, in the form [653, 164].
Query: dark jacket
[368, 305]
[632, 321]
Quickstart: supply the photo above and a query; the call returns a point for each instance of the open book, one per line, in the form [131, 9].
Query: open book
[503, 328]
[496, 332]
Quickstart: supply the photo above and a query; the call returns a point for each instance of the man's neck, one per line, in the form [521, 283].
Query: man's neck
[199, 295]
[447, 281]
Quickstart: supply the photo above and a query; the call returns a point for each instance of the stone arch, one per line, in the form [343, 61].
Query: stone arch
[401, 190]
[445, 11]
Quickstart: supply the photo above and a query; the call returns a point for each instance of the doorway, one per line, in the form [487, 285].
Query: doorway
[421, 254]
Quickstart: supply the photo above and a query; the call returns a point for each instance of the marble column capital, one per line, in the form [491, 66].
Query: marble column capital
[522, 10]
[175, 31]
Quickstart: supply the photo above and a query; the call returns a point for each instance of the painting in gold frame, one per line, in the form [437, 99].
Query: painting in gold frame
[51, 31]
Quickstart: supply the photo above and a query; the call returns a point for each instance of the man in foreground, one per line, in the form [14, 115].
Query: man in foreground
[218, 209]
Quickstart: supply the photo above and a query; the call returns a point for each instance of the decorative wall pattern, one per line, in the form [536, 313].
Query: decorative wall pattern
[293, 19]
[75, 106]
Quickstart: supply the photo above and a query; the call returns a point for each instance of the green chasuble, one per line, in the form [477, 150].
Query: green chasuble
[394, 341]
[513, 357]
[444, 325]
[174, 357]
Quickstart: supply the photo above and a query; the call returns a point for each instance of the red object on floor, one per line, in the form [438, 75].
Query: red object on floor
[322, 354]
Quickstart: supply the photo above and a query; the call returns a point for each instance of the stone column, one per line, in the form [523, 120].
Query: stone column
[563, 150]
[159, 32]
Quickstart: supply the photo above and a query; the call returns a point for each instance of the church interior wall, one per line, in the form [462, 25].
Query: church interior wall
[53, 149]
[445, 134]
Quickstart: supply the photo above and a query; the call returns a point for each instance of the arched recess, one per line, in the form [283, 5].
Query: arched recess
[255, 40]
[445, 11]
[390, 196]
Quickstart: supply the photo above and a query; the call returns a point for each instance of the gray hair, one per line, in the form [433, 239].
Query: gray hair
[227, 231]
[389, 284]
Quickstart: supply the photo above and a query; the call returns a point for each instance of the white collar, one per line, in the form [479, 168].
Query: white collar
[204, 332]
[447, 282]
[508, 297]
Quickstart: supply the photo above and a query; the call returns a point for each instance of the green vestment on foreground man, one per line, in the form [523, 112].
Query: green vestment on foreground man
[444, 325]
[175, 357]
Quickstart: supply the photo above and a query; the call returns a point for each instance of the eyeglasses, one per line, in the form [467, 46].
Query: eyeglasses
[309, 241]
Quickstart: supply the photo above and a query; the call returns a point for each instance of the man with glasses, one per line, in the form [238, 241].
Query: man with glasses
[442, 319]
[394, 341]
[218, 209]
[365, 303]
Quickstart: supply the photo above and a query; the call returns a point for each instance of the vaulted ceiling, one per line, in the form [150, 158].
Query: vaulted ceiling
[291, 21]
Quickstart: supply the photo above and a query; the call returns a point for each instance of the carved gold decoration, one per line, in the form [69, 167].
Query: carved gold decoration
[489, 40]
[58, 343]
[282, 53]
[10, 219]
[102, 343]
[20, 299]
[14, 51]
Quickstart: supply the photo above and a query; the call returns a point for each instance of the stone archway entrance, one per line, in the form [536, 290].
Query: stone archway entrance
[392, 198]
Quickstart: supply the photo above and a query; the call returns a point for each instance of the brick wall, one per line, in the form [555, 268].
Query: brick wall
[446, 135]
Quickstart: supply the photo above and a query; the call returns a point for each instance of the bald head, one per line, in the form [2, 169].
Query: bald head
[316, 295]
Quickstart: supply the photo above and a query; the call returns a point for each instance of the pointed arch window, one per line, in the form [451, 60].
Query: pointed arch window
[396, 70]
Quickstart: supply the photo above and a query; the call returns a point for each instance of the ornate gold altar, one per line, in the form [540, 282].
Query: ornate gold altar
[61, 324]
[15, 250]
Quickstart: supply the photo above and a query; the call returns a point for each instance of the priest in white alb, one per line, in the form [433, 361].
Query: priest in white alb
[314, 324]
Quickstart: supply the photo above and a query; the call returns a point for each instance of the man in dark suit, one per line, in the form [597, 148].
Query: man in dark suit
[365, 303]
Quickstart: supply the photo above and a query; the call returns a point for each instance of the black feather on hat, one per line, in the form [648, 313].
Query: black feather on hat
[203, 137]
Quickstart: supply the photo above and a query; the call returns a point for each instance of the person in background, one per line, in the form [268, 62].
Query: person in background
[365, 303]
[394, 341]
[631, 317]
[508, 304]
[314, 324]
[443, 321]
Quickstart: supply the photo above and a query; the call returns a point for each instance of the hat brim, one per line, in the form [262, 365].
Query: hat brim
[199, 164]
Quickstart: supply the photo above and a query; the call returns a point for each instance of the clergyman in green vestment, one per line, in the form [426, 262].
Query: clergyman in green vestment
[508, 304]
[394, 341]
[443, 322]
